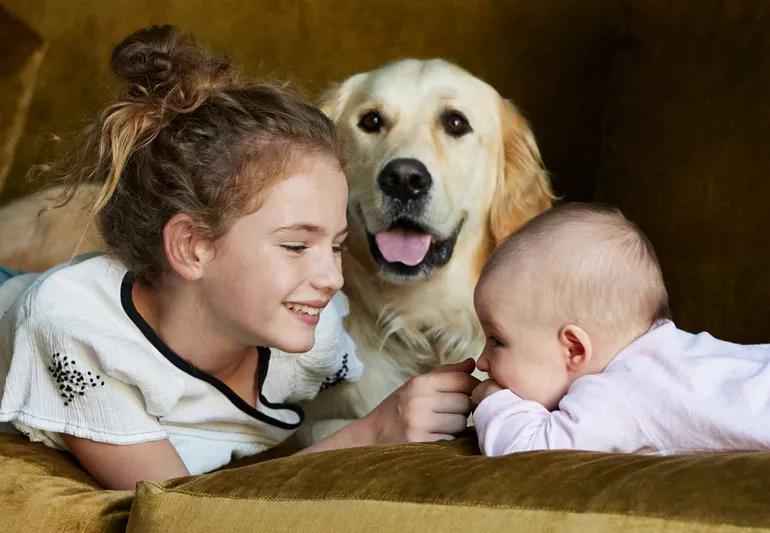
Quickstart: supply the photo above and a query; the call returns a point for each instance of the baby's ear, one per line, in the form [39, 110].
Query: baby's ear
[576, 347]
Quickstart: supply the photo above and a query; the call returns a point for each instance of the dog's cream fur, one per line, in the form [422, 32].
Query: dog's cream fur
[488, 182]
[492, 179]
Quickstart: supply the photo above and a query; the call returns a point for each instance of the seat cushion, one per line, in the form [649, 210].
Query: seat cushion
[42, 489]
[449, 487]
[22, 54]
[685, 155]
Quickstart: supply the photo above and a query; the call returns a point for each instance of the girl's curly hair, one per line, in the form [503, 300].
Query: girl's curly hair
[185, 136]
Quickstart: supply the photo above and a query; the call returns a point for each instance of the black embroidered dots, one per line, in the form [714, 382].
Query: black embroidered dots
[338, 377]
[71, 381]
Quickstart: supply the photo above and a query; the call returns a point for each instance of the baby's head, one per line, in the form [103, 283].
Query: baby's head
[562, 295]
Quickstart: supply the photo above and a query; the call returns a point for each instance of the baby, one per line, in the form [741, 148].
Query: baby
[581, 352]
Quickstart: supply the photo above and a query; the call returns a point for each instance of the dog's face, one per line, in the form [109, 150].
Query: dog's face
[439, 166]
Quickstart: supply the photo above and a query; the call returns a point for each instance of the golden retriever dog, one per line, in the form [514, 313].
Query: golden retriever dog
[441, 169]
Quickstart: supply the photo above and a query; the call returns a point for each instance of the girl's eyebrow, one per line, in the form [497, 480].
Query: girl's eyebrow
[300, 226]
[305, 226]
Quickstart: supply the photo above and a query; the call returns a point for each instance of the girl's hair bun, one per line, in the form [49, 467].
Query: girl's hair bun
[159, 63]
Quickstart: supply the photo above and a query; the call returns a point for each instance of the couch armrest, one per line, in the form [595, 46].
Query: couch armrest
[23, 51]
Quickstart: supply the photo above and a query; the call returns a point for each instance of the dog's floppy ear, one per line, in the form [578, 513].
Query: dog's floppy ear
[332, 101]
[523, 189]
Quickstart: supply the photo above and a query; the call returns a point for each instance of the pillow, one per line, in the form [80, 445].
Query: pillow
[42, 489]
[685, 155]
[20, 60]
[449, 487]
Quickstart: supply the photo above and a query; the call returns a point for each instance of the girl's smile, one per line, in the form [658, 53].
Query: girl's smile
[308, 312]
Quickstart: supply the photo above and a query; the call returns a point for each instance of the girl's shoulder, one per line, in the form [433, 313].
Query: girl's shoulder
[77, 364]
[82, 293]
[85, 280]
[77, 311]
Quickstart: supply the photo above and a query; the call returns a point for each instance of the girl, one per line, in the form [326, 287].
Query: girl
[224, 212]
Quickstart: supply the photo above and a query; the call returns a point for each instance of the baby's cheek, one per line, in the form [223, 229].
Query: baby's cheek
[524, 381]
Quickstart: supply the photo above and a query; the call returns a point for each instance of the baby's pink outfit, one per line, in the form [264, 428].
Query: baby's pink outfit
[667, 392]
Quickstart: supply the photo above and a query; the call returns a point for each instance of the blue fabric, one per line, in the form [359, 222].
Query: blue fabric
[7, 273]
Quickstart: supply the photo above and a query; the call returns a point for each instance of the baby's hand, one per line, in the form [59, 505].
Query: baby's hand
[484, 389]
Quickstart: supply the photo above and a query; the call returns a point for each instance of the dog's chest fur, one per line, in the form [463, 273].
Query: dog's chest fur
[403, 331]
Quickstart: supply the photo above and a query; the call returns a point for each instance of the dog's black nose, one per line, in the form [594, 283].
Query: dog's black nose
[405, 179]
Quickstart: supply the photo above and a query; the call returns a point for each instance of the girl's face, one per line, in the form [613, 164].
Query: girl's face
[277, 268]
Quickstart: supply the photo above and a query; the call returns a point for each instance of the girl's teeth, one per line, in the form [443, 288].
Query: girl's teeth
[299, 308]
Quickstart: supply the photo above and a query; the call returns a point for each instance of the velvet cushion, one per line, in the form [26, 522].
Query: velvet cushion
[686, 155]
[42, 489]
[414, 487]
[449, 487]
[21, 56]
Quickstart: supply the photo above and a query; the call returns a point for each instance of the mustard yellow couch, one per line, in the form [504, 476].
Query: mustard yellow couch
[660, 107]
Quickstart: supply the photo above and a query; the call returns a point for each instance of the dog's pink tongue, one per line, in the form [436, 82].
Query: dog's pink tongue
[403, 247]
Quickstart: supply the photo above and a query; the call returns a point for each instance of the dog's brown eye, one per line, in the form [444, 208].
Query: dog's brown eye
[455, 123]
[372, 122]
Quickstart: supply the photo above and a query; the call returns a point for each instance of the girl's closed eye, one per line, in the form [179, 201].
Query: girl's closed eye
[339, 248]
[296, 248]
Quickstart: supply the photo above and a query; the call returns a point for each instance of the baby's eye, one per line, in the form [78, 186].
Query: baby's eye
[495, 341]
[296, 248]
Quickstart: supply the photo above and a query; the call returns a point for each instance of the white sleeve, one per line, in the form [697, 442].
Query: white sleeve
[56, 383]
[590, 417]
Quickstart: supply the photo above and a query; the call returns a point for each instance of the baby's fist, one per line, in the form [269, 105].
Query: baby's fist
[484, 389]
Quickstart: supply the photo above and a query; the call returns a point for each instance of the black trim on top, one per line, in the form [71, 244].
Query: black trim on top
[262, 365]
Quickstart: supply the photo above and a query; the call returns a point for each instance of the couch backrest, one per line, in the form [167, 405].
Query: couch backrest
[550, 58]
[686, 154]
[658, 107]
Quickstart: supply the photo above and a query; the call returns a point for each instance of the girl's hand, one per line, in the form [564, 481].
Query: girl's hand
[486, 388]
[429, 407]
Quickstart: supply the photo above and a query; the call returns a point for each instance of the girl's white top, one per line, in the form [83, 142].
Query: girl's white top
[667, 392]
[77, 358]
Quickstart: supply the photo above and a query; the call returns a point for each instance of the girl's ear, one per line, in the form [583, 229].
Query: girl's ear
[576, 347]
[523, 189]
[187, 252]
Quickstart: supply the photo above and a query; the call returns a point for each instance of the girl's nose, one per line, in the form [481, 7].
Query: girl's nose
[482, 363]
[328, 274]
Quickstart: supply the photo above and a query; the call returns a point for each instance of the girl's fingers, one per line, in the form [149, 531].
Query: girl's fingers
[452, 403]
[453, 382]
[447, 424]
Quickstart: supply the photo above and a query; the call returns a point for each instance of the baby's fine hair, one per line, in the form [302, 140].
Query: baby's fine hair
[595, 263]
[186, 136]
